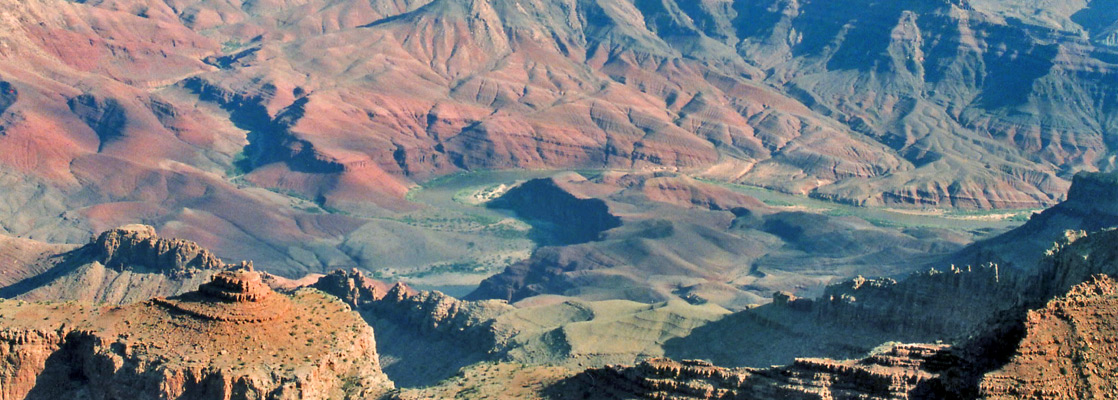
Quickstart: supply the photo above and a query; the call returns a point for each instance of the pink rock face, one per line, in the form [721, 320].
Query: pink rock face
[118, 108]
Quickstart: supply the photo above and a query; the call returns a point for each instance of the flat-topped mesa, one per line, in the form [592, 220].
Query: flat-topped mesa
[237, 286]
[137, 247]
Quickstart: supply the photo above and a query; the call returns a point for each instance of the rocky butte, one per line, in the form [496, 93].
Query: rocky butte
[232, 338]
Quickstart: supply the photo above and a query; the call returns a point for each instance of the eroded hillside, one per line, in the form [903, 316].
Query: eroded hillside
[233, 338]
[181, 113]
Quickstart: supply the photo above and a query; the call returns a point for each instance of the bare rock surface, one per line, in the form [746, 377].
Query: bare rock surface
[234, 339]
[1067, 350]
[1045, 338]
[894, 373]
[121, 266]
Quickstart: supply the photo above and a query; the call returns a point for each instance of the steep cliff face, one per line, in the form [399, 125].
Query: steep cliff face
[234, 338]
[137, 248]
[121, 266]
[353, 287]
[26, 352]
[1044, 335]
[424, 337]
[926, 305]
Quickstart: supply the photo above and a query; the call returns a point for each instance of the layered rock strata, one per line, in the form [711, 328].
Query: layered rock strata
[122, 265]
[894, 373]
[1069, 349]
[236, 339]
[138, 248]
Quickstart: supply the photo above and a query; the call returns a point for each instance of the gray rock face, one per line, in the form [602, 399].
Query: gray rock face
[121, 266]
[137, 248]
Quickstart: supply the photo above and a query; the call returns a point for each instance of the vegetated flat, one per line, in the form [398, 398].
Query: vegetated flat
[679, 236]
[492, 238]
[995, 221]
[448, 192]
[491, 381]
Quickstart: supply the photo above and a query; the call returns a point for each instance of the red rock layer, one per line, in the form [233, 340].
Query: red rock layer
[266, 346]
[1070, 348]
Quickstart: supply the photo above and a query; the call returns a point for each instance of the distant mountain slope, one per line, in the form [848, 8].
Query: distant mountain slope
[1088, 208]
[176, 112]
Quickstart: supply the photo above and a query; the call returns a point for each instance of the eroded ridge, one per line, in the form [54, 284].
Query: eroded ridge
[133, 247]
[896, 372]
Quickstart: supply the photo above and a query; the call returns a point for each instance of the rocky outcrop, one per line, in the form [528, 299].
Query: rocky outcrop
[238, 286]
[138, 248]
[923, 306]
[1068, 349]
[234, 340]
[122, 266]
[235, 295]
[1087, 197]
[435, 312]
[353, 287]
[1037, 336]
[25, 353]
[414, 328]
[1050, 254]
[894, 373]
